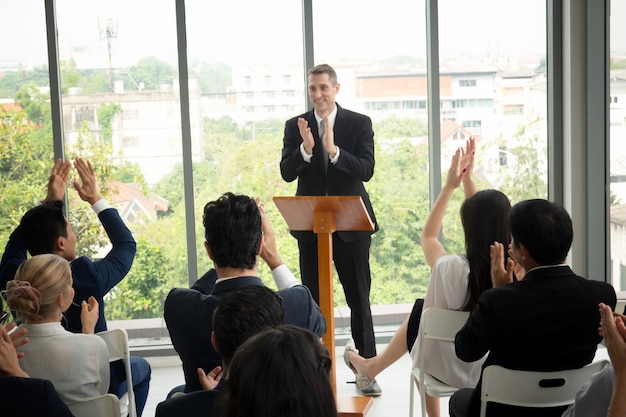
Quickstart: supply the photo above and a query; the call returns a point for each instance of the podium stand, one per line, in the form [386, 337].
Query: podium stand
[324, 215]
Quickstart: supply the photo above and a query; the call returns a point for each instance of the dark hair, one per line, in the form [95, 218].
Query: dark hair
[280, 372]
[324, 69]
[485, 220]
[42, 225]
[232, 228]
[243, 313]
[544, 228]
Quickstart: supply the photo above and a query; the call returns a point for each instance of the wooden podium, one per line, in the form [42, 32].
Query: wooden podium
[324, 215]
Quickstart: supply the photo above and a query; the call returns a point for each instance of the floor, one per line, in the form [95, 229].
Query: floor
[167, 373]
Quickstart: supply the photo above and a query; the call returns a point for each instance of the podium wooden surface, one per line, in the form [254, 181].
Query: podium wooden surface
[324, 215]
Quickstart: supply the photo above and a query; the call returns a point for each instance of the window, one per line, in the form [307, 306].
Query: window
[617, 131]
[467, 83]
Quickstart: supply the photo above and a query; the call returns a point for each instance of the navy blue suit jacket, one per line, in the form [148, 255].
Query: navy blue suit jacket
[355, 138]
[546, 322]
[91, 278]
[188, 315]
[31, 397]
[193, 404]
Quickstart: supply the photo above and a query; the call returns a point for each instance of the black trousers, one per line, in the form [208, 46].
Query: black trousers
[352, 265]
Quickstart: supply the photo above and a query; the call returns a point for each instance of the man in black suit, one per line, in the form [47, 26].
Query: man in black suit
[239, 315]
[330, 150]
[546, 322]
[236, 233]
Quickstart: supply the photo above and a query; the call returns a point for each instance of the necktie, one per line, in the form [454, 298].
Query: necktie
[324, 152]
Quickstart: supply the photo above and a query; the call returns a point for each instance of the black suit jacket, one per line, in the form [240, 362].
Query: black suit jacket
[188, 315]
[31, 397]
[546, 322]
[355, 138]
[193, 404]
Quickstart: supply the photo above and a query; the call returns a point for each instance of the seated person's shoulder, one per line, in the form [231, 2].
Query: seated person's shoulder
[198, 403]
[183, 298]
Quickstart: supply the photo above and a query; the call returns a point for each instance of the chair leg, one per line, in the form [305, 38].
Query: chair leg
[411, 398]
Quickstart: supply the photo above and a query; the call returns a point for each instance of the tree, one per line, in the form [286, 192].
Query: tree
[142, 292]
[152, 72]
[34, 103]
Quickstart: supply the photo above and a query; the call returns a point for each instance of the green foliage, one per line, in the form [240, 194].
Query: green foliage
[34, 103]
[23, 167]
[521, 177]
[618, 63]
[142, 292]
[396, 127]
[152, 72]
[70, 77]
[214, 78]
[105, 115]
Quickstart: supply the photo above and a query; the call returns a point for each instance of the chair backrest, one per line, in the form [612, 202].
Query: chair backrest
[534, 389]
[107, 405]
[442, 324]
[438, 324]
[117, 344]
[435, 324]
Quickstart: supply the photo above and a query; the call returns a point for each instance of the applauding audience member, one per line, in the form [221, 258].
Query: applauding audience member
[614, 331]
[546, 322]
[239, 315]
[237, 233]
[44, 229]
[280, 372]
[25, 396]
[77, 364]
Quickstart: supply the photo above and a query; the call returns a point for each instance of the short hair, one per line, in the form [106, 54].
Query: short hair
[243, 313]
[42, 225]
[37, 285]
[232, 228]
[544, 228]
[324, 69]
[280, 372]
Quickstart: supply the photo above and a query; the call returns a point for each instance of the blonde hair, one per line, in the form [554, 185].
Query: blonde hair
[38, 283]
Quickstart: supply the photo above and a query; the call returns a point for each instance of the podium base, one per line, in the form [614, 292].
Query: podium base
[353, 406]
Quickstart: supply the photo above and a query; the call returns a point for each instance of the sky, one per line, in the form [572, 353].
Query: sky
[248, 31]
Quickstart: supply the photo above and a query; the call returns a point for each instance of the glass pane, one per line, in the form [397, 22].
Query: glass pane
[25, 128]
[248, 63]
[617, 132]
[379, 52]
[121, 110]
[493, 86]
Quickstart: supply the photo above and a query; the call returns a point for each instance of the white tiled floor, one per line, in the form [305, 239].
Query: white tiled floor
[167, 373]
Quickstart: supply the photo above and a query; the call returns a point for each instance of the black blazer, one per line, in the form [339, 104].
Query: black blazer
[31, 397]
[546, 322]
[188, 315]
[355, 138]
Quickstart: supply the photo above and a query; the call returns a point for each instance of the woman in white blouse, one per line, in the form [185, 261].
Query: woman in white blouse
[77, 364]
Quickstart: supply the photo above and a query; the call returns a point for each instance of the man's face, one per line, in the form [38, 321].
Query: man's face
[69, 251]
[322, 93]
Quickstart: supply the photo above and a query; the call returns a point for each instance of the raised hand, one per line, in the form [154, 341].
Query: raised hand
[501, 273]
[88, 187]
[269, 252]
[329, 139]
[307, 136]
[9, 365]
[467, 166]
[89, 315]
[58, 180]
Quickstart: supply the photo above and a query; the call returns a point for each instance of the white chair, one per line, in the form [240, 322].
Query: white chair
[117, 344]
[107, 405]
[435, 324]
[533, 389]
